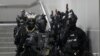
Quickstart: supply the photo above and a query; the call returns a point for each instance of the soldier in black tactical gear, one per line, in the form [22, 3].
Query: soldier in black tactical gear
[30, 39]
[43, 35]
[41, 23]
[56, 24]
[25, 36]
[21, 19]
[74, 41]
[17, 29]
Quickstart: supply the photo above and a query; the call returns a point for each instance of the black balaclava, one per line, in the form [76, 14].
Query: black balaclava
[31, 24]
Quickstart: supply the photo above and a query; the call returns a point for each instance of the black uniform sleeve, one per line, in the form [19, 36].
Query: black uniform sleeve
[84, 43]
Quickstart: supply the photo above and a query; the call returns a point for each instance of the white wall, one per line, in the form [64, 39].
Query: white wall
[88, 16]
